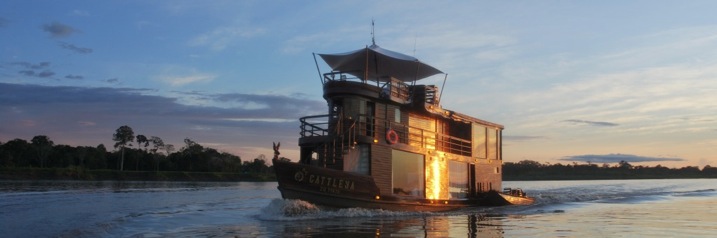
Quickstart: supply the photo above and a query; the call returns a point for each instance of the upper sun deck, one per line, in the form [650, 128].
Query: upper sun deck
[378, 73]
[336, 83]
[376, 63]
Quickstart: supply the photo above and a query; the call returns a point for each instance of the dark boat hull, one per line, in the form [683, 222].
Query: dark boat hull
[501, 199]
[341, 189]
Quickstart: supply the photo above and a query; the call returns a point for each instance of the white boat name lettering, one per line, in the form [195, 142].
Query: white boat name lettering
[331, 182]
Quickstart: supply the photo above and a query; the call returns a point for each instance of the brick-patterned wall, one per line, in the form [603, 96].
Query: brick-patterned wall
[425, 123]
[486, 174]
[381, 168]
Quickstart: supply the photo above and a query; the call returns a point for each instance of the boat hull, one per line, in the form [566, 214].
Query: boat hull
[341, 189]
[495, 198]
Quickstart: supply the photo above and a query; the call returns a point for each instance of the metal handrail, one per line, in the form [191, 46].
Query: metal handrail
[314, 129]
[407, 134]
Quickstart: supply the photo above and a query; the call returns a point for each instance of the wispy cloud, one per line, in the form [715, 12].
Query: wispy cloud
[76, 49]
[80, 13]
[180, 80]
[72, 76]
[40, 74]
[102, 110]
[58, 30]
[45, 74]
[614, 158]
[40, 70]
[591, 123]
[29, 65]
[222, 37]
[523, 138]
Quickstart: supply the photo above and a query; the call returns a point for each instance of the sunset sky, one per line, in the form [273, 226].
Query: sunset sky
[599, 81]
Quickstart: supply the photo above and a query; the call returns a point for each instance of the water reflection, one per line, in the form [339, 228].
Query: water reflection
[14, 186]
[473, 225]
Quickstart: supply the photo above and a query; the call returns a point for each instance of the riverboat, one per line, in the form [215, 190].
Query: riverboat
[387, 143]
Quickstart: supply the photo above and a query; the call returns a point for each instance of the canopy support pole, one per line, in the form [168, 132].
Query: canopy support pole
[438, 102]
[317, 69]
[365, 70]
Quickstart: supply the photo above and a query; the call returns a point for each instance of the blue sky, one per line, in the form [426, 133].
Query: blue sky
[599, 81]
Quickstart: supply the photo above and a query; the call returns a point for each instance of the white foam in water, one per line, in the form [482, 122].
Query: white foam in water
[290, 209]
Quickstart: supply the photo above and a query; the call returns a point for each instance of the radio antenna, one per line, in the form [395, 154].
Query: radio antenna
[373, 36]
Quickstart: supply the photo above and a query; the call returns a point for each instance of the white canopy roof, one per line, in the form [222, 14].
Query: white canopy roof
[377, 63]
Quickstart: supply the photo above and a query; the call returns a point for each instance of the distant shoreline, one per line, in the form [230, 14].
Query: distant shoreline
[558, 177]
[74, 173]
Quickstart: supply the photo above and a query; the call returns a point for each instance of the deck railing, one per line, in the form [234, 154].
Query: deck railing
[390, 87]
[363, 125]
[317, 125]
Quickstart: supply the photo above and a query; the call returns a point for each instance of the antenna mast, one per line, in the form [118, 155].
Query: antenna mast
[373, 36]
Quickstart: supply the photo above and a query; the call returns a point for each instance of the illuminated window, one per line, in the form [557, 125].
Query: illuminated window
[458, 180]
[479, 141]
[492, 144]
[408, 174]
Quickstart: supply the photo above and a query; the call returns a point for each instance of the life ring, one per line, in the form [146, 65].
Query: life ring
[391, 136]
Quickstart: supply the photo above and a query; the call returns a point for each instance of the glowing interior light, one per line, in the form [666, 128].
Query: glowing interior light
[436, 177]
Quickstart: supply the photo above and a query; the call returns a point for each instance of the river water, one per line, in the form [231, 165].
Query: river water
[606, 208]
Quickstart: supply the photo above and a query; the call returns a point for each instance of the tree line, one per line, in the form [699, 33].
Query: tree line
[533, 170]
[132, 153]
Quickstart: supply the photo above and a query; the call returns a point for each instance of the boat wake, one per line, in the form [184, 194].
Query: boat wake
[291, 209]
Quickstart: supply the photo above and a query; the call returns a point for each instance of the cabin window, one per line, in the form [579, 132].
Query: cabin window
[367, 113]
[492, 144]
[357, 160]
[499, 144]
[479, 141]
[407, 174]
[397, 115]
[458, 179]
[336, 108]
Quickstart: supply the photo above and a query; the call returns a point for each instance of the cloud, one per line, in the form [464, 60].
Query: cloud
[72, 76]
[220, 38]
[187, 79]
[112, 80]
[33, 69]
[615, 158]
[45, 74]
[86, 123]
[57, 29]
[90, 115]
[591, 123]
[27, 72]
[75, 48]
[523, 138]
[41, 74]
[29, 65]
[80, 13]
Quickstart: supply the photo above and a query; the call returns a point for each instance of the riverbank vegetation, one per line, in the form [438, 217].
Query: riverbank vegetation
[533, 170]
[137, 157]
[140, 157]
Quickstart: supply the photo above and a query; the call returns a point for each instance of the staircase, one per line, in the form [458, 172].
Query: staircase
[431, 94]
[331, 153]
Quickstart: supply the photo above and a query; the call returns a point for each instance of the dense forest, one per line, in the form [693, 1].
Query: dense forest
[533, 170]
[139, 157]
[134, 157]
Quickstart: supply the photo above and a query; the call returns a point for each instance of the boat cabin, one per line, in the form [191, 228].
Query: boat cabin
[381, 122]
